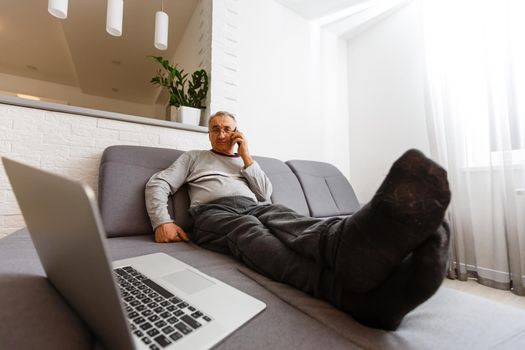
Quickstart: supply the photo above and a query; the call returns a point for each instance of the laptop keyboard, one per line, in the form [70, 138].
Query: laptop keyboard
[157, 316]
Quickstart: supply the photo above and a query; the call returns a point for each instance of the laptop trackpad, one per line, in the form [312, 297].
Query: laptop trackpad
[188, 281]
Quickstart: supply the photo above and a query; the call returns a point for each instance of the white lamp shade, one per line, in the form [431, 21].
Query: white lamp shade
[114, 17]
[57, 8]
[161, 30]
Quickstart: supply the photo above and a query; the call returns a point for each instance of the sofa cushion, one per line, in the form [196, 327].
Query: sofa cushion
[124, 171]
[286, 188]
[327, 191]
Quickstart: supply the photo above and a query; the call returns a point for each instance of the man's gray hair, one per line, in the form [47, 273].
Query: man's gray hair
[221, 114]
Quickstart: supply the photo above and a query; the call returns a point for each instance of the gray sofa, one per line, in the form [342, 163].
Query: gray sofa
[34, 315]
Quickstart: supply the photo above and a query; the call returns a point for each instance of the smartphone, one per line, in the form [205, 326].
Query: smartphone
[235, 130]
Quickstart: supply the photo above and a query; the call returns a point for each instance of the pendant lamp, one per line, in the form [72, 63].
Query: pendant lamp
[115, 13]
[161, 30]
[57, 8]
[114, 18]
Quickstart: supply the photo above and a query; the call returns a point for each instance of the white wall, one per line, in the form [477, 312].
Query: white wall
[71, 145]
[277, 104]
[333, 90]
[386, 91]
[282, 100]
[189, 54]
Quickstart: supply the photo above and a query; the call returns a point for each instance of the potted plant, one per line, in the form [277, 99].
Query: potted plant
[186, 95]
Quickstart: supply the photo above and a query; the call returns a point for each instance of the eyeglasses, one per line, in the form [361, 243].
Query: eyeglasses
[227, 131]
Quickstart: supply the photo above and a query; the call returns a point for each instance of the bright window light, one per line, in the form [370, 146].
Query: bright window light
[475, 53]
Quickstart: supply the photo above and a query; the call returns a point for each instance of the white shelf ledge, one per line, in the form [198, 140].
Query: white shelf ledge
[17, 101]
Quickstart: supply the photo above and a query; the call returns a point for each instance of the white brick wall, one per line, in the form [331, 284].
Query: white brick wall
[224, 56]
[71, 145]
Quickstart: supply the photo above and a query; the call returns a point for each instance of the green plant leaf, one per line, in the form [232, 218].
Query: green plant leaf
[175, 82]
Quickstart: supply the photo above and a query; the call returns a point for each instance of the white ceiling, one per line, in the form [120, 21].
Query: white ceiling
[78, 52]
[313, 9]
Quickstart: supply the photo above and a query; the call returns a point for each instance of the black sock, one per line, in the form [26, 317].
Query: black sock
[407, 208]
[414, 281]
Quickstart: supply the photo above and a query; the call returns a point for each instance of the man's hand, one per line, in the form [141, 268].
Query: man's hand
[238, 138]
[170, 232]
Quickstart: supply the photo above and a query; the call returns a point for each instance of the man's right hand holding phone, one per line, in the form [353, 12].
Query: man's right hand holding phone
[238, 138]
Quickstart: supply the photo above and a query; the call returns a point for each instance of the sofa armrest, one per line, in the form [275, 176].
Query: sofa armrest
[327, 191]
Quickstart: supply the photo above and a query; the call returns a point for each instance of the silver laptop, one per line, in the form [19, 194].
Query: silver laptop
[147, 302]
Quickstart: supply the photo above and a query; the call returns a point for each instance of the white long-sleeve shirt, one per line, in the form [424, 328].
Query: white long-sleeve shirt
[210, 176]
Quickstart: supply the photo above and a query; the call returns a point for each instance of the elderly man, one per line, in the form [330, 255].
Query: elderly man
[376, 265]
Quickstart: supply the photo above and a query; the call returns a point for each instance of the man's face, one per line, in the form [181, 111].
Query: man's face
[220, 130]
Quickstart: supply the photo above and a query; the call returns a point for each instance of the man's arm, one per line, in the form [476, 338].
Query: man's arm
[258, 182]
[252, 172]
[158, 189]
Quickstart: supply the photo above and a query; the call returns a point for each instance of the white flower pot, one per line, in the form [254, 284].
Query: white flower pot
[184, 114]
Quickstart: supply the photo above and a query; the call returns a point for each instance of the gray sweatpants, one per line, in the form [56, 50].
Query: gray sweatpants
[273, 240]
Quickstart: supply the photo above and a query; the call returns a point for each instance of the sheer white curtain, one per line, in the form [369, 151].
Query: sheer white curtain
[475, 62]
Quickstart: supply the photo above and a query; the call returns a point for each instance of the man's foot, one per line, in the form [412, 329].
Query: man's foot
[415, 191]
[414, 281]
[407, 208]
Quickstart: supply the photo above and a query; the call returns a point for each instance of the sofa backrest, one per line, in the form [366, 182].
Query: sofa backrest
[286, 188]
[124, 172]
[327, 191]
[311, 188]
